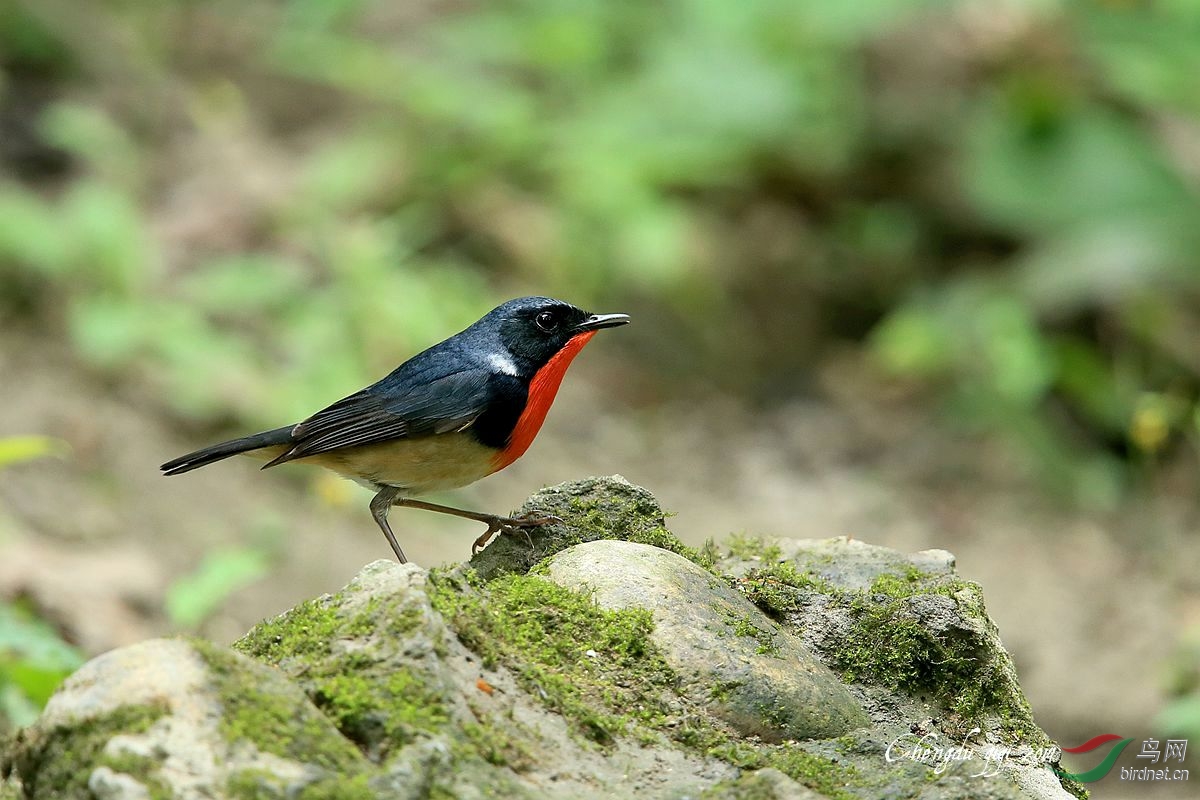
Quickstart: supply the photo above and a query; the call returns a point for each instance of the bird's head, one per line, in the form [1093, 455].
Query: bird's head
[535, 329]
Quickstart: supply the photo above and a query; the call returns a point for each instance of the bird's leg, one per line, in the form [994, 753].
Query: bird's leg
[494, 522]
[387, 497]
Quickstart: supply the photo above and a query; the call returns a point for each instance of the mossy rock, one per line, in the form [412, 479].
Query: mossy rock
[730, 656]
[168, 717]
[552, 667]
[590, 510]
[884, 619]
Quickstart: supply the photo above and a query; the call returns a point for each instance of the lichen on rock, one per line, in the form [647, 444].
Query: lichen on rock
[598, 652]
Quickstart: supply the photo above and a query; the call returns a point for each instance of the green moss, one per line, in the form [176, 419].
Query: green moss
[815, 772]
[544, 633]
[708, 555]
[721, 691]
[305, 630]
[497, 745]
[608, 517]
[338, 787]
[890, 646]
[590, 510]
[57, 763]
[258, 784]
[309, 630]
[748, 786]
[1075, 788]
[255, 784]
[744, 546]
[379, 713]
[780, 587]
[766, 639]
[909, 582]
[144, 769]
[265, 714]
[821, 774]
[395, 708]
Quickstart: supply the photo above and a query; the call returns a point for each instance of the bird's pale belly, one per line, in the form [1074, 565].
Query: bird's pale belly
[422, 465]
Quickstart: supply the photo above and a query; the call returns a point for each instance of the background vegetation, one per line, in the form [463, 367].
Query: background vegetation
[990, 209]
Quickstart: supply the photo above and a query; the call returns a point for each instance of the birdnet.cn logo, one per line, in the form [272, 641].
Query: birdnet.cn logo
[1162, 759]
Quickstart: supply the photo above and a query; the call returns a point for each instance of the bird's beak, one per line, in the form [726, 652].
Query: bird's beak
[597, 321]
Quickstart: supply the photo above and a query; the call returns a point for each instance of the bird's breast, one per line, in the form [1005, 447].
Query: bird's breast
[542, 389]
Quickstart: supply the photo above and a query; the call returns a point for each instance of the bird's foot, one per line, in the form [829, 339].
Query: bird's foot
[511, 526]
[521, 525]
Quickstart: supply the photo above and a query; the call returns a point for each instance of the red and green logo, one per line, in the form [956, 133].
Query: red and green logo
[1104, 767]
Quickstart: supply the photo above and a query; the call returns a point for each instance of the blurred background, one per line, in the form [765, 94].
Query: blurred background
[921, 273]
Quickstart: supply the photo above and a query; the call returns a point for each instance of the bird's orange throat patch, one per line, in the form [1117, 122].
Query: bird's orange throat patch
[542, 390]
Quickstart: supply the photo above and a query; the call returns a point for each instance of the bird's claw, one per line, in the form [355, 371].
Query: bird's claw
[493, 526]
[510, 526]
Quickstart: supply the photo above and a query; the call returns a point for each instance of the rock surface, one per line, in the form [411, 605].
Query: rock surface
[600, 657]
[754, 675]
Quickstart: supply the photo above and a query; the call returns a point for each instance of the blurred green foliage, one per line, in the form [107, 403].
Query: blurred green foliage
[15, 449]
[33, 662]
[34, 659]
[192, 598]
[1181, 716]
[257, 207]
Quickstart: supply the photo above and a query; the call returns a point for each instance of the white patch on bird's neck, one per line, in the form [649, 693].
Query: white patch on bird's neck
[503, 362]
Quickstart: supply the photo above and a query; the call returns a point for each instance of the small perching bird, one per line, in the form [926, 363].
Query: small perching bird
[459, 411]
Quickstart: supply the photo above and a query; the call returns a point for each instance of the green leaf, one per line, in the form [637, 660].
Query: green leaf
[15, 449]
[912, 341]
[1021, 367]
[91, 134]
[346, 173]
[1092, 384]
[36, 682]
[113, 245]
[1181, 717]
[15, 706]
[192, 598]
[34, 660]
[1038, 163]
[244, 283]
[31, 232]
[32, 642]
[108, 331]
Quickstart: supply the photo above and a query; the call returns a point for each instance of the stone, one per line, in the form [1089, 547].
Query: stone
[762, 784]
[728, 654]
[849, 564]
[589, 510]
[601, 655]
[107, 784]
[156, 707]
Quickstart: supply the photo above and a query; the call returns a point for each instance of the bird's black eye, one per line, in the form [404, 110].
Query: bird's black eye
[546, 321]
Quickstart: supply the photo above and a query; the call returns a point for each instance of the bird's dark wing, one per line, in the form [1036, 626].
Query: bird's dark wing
[380, 413]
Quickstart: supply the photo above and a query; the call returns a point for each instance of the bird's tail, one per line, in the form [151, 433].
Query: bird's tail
[216, 452]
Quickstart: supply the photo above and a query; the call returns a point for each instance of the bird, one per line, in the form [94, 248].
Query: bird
[456, 412]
